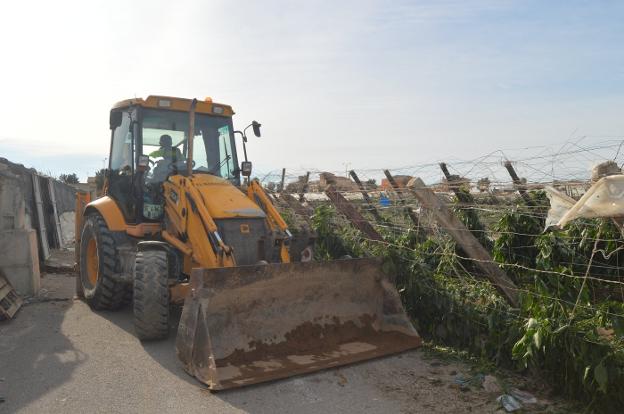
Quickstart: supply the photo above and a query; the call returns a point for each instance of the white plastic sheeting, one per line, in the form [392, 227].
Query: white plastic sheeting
[560, 204]
[604, 199]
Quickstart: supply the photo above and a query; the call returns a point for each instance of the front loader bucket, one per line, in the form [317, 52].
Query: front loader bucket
[250, 324]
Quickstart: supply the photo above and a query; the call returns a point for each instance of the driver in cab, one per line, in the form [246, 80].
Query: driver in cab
[166, 150]
[169, 155]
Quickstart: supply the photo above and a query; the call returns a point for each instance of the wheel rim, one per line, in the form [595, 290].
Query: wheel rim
[92, 262]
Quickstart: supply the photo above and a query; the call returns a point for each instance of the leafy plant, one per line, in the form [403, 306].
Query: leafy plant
[568, 298]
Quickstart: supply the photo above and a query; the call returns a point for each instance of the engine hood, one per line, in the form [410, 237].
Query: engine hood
[223, 200]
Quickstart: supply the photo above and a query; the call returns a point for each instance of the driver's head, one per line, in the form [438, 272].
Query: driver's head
[165, 141]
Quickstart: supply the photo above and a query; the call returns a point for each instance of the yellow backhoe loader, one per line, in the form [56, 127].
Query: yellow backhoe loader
[180, 222]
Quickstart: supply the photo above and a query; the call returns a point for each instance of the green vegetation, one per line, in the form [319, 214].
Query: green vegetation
[570, 325]
[69, 178]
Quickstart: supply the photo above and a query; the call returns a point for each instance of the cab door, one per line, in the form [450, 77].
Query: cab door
[122, 162]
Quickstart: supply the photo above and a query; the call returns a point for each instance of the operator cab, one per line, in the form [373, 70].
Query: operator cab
[214, 151]
[150, 143]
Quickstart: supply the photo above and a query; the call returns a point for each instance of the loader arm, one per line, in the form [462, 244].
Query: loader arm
[275, 220]
[190, 225]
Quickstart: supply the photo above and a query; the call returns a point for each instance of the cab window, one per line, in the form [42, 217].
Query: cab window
[121, 165]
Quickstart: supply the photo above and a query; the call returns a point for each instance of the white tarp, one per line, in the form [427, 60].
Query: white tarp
[604, 199]
[560, 204]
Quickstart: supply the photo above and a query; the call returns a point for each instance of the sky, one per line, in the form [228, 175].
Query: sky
[357, 84]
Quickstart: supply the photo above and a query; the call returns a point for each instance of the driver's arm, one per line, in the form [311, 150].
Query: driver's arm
[156, 154]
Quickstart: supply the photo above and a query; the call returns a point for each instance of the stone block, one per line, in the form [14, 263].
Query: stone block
[19, 259]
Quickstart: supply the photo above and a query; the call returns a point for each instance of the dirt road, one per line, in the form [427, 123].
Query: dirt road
[59, 356]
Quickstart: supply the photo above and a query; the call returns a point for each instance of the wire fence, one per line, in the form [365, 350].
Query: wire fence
[568, 279]
[569, 161]
[490, 195]
[568, 320]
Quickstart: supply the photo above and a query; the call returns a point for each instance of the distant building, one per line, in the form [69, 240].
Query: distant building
[339, 183]
[401, 181]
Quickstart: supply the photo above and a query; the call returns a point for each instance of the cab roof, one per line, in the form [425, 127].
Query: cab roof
[177, 104]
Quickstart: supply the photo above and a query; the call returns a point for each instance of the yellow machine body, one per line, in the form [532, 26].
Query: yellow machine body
[250, 315]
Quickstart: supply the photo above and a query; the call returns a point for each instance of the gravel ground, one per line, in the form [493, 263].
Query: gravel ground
[59, 356]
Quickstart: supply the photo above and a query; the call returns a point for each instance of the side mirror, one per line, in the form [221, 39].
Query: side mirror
[256, 128]
[246, 168]
[115, 119]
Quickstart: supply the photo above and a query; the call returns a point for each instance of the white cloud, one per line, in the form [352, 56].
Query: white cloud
[376, 83]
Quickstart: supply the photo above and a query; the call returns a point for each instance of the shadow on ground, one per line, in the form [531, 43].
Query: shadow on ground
[161, 351]
[32, 346]
[60, 356]
[344, 389]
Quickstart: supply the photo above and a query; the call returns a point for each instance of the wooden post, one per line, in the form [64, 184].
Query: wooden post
[465, 239]
[304, 187]
[367, 199]
[350, 212]
[410, 211]
[462, 197]
[394, 185]
[281, 189]
[445, 170]
[518, 183]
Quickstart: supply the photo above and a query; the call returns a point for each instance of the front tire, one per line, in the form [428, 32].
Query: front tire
[151, 295]
[98, 256]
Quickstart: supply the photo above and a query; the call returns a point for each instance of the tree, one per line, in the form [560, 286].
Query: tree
[100, 177]
[69, 178]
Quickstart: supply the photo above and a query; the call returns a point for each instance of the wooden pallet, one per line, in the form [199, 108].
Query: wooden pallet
[10, 302]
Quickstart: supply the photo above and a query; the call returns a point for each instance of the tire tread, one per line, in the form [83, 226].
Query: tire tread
[109, 295]
[151, 295]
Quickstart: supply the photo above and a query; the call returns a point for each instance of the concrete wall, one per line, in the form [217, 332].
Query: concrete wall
[16, 197]
[19, 255]
[20, 260]
[20, 246]
[65, 197]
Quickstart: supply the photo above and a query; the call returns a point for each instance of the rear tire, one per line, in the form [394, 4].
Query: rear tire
[98, 257]
[79, 291]
[151, 295]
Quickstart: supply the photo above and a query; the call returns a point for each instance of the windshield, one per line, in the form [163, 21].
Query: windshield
[165, 136]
